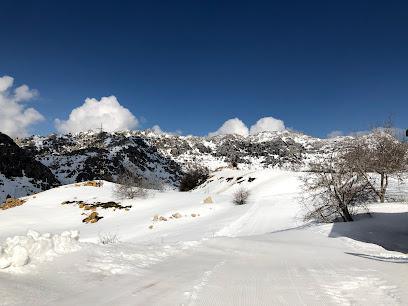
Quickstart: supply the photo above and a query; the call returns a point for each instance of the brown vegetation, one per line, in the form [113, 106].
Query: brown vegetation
[12, 202]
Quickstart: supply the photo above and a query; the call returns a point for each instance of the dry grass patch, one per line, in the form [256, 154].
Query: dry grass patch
[12, 202]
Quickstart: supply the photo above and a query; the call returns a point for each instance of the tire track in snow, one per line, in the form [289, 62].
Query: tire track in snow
[197, 288]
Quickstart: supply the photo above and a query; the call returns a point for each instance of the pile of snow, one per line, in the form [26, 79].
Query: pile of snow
[20, 250]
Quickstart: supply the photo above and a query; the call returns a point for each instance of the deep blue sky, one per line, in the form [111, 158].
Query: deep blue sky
[190, 65]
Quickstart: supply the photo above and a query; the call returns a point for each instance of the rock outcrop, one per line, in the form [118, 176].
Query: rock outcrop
[20, 172]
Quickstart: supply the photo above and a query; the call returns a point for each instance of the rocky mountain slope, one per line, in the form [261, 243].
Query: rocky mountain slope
[160, 158]
[20, 173]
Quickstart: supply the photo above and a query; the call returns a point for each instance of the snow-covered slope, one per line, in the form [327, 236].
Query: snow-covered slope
[46, 212]
[214, 254]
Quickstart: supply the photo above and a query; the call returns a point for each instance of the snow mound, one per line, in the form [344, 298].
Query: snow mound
[18, 251]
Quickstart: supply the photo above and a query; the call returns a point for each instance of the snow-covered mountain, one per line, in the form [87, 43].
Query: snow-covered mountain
[20, 173]
[162, 158]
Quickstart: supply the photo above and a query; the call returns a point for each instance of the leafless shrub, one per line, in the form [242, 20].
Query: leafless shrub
[155, 184]
[194, 178]
[333, 190]
[108, 238]
[130, 186]
[241, 196]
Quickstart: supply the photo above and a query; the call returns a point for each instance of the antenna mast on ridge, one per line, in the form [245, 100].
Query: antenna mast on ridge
[100, 142]
[101, 129]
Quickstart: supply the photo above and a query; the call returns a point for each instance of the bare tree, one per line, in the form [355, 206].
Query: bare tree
[130, 186]
[377, 157]
[333, 190]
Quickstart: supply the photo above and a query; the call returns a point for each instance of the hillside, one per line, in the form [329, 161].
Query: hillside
[20, 173]
[163, 157]
[200, 254]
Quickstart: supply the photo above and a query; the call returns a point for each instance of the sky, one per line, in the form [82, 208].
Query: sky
[200, 67]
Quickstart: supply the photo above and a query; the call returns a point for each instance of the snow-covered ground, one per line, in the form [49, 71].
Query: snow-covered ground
[261, 253]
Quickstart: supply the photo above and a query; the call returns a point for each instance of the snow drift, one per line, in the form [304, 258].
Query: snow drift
[20, 250]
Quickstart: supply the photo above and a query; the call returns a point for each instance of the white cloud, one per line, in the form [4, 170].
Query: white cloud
[5, 83]
[15, 118]
[106, 111]
[267, 124]
[156, 129]
[23, 93]
[334, 134]
[232, 126]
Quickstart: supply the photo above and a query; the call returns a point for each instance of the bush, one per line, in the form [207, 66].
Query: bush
[108, 238]
[194, 178]
[155, 184]
[241, 196]
[130, 186]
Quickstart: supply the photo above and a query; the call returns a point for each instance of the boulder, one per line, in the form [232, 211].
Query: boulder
[176, 215]
[92, 218]
[92, 184]
[208, 200]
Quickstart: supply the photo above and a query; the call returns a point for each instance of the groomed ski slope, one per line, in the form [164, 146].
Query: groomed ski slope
[256, 254]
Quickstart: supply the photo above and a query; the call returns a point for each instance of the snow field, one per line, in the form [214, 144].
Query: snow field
[261, 253]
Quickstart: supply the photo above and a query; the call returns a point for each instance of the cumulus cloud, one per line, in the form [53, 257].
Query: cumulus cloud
[156, 129]
[236, 126]
[232, 126]
[267, 124]
[5, 83]
[24, 93]
[15, 117]
[90, 115]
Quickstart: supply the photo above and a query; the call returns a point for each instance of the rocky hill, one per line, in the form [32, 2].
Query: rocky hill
[160, 158]
[20, 173]
[91, 155]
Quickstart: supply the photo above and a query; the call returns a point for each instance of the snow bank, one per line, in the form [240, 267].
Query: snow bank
[18, 251]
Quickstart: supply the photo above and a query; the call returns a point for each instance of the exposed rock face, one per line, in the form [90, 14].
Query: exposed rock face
[17, 162]
[20, 172]
[93, 156]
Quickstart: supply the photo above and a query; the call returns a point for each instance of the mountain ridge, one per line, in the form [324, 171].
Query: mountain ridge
[163, 158]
